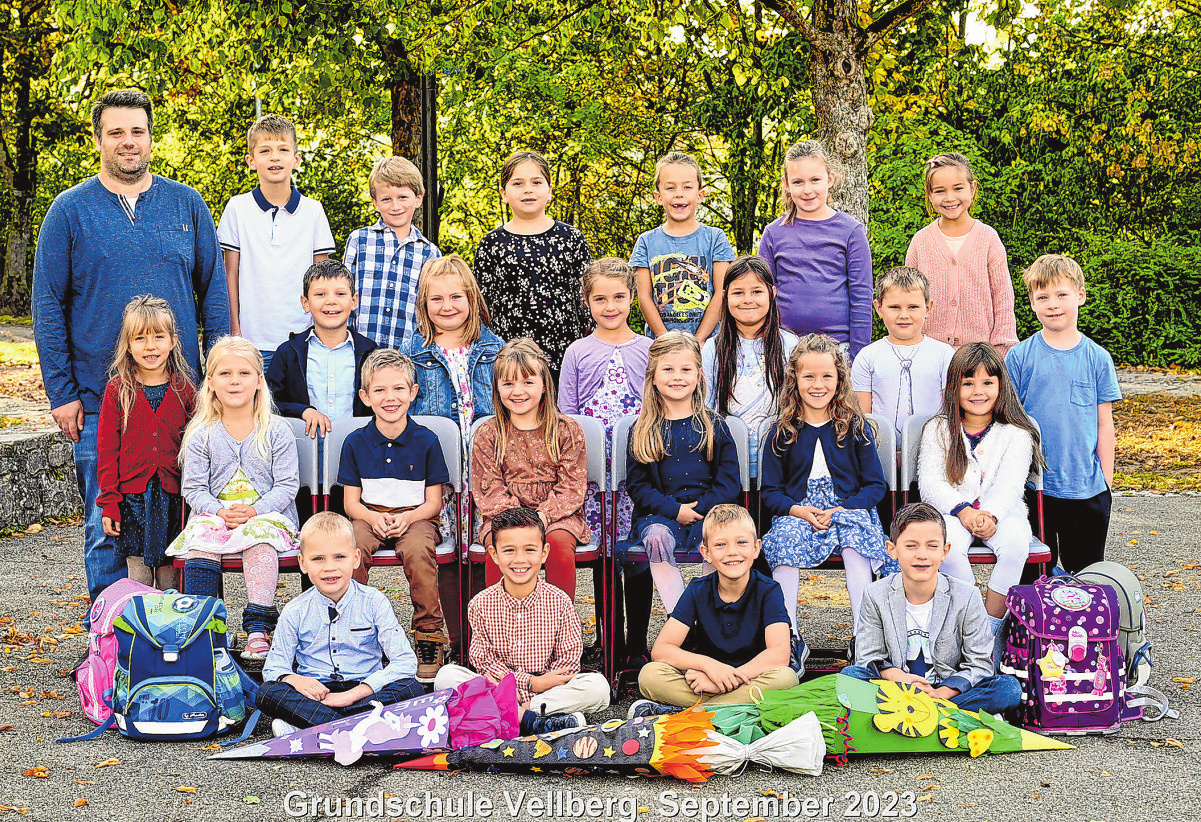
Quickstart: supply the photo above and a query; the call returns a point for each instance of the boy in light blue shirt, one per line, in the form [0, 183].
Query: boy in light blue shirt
[326, 661]
[1068, 384]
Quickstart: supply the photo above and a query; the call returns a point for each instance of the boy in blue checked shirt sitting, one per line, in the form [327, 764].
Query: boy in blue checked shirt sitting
[392, 473]
[386, 258]
[327, 658]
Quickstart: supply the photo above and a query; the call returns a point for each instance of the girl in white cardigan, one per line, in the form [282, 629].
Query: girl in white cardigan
[974, 460]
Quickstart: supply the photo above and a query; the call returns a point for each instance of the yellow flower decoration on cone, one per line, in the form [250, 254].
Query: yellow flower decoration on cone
[905, 709]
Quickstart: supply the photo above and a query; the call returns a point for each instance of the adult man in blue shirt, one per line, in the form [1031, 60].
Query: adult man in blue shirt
[117, 235]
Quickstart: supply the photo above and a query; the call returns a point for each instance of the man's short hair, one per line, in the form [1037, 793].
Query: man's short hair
[1051, 268]
[382, 358]
[327, 524]
[512, 518]
[273, 125]
[724, 514]
[912, 514]
[398, 172]
[327, 270]
[123, 98]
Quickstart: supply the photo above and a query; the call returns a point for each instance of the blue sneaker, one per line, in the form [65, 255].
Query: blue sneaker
[647, 707]
[544, 723]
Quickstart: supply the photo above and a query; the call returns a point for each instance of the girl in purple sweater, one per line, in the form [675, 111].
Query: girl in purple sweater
[603, 377]
[819, 255]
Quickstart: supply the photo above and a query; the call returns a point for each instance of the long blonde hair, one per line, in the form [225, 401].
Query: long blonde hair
[146, 315]
[518, 359]
[208, 407]
[647, 437]
[844, 408]
[451, 266]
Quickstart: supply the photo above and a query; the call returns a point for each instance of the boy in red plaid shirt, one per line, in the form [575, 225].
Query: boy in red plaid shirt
[528, 627]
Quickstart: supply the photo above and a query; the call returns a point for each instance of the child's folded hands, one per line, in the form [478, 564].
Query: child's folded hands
[307, 686]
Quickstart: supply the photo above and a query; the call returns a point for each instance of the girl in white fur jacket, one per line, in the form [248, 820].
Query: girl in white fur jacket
[974, 460]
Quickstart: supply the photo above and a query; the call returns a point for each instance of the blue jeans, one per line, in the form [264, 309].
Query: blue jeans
[101, 565]
[280, 700]
[993, 693]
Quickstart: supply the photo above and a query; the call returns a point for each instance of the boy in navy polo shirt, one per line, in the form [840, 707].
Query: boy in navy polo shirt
[393, 472]
[728, 632]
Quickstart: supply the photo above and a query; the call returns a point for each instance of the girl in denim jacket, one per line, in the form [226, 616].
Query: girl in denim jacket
[453, 348]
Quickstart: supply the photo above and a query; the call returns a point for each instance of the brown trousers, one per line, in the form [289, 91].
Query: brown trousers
[416, 551]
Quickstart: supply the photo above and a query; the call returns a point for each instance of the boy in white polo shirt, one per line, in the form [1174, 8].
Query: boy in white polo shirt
[270, 236]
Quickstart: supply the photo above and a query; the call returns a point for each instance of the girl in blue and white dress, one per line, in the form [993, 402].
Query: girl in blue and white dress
[603, 377]
[822, 478]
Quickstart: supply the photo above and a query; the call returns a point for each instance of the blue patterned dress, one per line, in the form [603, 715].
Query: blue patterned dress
[793, 542]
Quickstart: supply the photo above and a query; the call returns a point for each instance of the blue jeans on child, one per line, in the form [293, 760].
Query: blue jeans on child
[279, 700]
[993, 693]
[102, 567]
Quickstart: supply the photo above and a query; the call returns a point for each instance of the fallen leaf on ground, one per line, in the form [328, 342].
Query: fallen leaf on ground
[40, 771]
[85, 781]
[1173, 743]
[80, 802]
[880, 770]
[186, 789]
[923, 776]
[108, 762]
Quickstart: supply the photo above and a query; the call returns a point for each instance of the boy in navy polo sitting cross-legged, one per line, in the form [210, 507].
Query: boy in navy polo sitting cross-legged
[728, 632]
[392, 471]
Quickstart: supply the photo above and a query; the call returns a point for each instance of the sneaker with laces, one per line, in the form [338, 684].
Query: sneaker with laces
[280, 727]
[647, 707]
[258, 645]
[431, 654]
[544, 723]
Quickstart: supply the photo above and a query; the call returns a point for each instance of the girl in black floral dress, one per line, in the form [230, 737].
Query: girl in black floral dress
[529, 269]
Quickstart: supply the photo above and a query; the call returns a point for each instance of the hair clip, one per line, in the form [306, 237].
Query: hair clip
[933, 160]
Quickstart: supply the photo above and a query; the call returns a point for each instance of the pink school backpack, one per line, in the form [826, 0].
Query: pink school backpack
[1061, 643]
[95, 674]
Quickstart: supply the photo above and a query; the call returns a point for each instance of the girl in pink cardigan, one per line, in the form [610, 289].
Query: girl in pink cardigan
[964, 261]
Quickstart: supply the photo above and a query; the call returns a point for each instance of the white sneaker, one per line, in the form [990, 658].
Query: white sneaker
[281, 728]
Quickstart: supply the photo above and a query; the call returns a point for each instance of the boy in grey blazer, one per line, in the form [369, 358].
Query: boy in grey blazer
[927, 629]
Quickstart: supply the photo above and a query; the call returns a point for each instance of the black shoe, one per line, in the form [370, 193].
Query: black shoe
[544, 723]
[593, 658]
[645, 707]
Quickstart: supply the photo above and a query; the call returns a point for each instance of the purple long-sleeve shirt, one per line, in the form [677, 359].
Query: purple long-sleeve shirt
[823, 271]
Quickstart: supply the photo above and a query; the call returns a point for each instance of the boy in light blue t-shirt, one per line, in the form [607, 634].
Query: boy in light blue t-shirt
[1068, 384]
[680, 264]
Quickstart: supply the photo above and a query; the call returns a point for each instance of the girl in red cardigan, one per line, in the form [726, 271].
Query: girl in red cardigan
[146, 407]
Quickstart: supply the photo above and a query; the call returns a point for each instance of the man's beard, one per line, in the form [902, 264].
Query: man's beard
[114, 170]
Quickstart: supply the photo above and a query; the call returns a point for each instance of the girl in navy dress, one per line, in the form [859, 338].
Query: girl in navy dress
[682, 463]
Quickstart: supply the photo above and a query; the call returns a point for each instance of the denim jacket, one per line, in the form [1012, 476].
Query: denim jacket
[437, 395]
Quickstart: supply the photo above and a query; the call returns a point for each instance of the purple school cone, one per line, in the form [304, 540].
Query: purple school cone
[433, 723]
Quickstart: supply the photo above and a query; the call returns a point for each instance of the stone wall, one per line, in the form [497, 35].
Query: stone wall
[37, 479]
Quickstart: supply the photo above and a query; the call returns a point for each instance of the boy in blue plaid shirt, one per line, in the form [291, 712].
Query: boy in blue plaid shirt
[386, 258]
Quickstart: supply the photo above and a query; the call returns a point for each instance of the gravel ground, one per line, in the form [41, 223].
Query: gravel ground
[1146, 771]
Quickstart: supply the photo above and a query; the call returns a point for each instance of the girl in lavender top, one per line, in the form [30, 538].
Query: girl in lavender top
[603, 377]
[819, 255]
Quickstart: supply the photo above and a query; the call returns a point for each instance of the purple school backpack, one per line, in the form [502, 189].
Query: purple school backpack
[1061, 643]
[95, 674]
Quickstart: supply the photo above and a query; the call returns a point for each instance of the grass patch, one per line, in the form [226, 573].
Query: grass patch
[1159, 443]
[18, 354]
[10, 422]
[10, 320]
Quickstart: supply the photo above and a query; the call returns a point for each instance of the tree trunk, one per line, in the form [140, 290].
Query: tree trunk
[844, 119]
[404, 87]
[21, 176]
